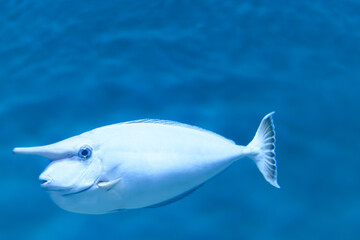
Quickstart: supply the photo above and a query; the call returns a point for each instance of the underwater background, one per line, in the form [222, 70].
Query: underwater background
[70, 66]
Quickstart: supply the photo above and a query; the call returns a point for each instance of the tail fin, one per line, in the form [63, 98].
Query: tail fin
[262, 149]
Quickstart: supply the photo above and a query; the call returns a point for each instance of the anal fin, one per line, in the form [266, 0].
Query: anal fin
[174, 199]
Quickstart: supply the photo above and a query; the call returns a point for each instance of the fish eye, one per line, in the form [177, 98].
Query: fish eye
[85, 152]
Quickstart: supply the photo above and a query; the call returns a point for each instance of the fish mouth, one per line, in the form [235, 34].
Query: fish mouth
[45, 182]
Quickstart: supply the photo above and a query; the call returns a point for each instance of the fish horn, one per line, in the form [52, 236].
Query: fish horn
[51, 151]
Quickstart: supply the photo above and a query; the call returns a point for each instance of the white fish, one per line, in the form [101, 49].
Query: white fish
[144, 163]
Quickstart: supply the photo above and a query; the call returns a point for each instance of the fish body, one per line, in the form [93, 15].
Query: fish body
[143, 163]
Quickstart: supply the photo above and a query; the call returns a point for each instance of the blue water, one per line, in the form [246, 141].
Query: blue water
[69, 66]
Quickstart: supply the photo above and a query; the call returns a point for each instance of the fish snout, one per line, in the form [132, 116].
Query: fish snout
[48, 184]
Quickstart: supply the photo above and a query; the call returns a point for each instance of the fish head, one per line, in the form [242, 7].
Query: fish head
[75, 164]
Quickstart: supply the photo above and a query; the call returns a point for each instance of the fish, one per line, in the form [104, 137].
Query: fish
[144, 163]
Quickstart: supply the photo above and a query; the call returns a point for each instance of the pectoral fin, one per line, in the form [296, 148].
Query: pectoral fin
[107, 185]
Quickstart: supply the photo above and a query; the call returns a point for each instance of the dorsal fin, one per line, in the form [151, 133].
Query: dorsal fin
[174, 123]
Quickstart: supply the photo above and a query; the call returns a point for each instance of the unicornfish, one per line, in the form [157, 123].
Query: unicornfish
[144, 164]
